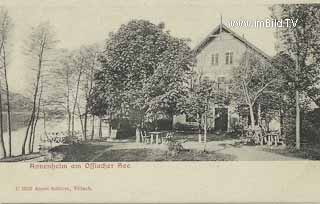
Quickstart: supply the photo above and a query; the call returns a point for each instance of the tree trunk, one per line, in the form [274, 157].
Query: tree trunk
[44, 121]
[205, 128]
[109, 129]
[76, 100]
[205, 122]
[34, 100]
[34, 122]
[259, 114]
[138, 134]
[252, 116]
[171, 118]
[8, 102]
[23, 152]
[34, 129]
[88, 94]
[72, 124]
[281, 119]
[92, 132]
[33, 135]
[199, 127]
[110, 126]
[297, 121]
[3, 148]
[81, 123]
[100, 128]
[214, 117]
[138, 131]
[69, 123]
[31, 132]
[297, 68]
[68, 103]
[85, 122]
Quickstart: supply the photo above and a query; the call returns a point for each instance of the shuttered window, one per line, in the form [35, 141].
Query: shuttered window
[229, 57]
[215, 59]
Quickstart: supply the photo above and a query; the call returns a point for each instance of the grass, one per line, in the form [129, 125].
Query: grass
[85, 152]
[88, 152]
[78, 152]
[162, 155]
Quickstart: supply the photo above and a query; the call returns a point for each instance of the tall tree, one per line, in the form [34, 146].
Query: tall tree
[78, 69]
[301, 43]
[90, 56]
[5, 30]
[79, 65]
[40, 42]
[51, 98]
[144, 70]
[65, 72]
[251, 79]
[197, 102]
[3, 148]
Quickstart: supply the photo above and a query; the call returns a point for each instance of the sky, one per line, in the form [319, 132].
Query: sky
[83, 22]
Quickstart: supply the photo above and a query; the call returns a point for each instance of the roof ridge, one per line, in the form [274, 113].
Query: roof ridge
[206, 40]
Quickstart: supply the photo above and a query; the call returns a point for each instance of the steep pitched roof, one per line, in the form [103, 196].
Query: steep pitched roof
[212, 35]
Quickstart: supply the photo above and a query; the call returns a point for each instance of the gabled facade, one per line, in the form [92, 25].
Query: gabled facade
[217, 55]
[221, 51]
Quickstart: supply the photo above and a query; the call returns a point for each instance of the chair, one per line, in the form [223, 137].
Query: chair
[276, 137]
[249, 136]
[145, 138]
[167, 138]
[258, 135]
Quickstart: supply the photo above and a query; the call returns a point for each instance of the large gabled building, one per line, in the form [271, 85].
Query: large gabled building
[217, 55]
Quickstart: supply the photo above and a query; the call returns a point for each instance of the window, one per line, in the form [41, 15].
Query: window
[229, 57]
[215, 59]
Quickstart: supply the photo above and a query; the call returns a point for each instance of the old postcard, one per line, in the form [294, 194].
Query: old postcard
[159, 101]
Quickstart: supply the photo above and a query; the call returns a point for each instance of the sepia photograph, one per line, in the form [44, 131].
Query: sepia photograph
[159, 101]
[163, 81]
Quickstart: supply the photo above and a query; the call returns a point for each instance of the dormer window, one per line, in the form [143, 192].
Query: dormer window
[229, 57]
[215, 59]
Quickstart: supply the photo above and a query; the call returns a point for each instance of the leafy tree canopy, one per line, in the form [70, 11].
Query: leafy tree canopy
[144, 70]
[300, 44]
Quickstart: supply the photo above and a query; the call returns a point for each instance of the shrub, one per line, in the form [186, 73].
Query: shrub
[124, 128]
[310, 131]
[310, 128]
[71, 140]
[174, 146]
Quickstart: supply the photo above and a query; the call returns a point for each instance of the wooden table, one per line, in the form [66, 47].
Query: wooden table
[157, 134]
